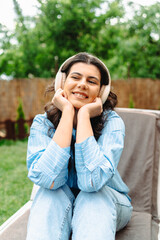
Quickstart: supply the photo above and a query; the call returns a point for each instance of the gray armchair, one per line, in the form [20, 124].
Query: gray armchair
[139, 168]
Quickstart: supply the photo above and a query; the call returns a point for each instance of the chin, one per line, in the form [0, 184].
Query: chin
[77, 105]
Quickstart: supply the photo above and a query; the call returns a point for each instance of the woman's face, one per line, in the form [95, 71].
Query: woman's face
[82, 84]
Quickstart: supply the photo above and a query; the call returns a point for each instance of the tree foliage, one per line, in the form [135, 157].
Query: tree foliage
[130, 48]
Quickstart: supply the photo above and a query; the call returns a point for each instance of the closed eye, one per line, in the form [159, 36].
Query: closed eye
[74, 77]
[92, 82]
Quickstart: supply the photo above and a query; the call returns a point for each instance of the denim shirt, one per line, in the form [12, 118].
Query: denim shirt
[93, 163]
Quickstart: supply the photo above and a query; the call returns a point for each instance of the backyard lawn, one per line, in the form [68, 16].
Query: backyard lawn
[15, 187]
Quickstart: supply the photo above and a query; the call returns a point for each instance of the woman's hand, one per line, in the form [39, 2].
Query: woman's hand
[65, 125]
[90, 110]
[93, 109]
[60, 101]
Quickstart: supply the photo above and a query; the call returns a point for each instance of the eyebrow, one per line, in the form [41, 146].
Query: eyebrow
[97, 79]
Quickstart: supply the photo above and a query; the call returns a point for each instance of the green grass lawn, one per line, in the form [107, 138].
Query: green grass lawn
[15, 187]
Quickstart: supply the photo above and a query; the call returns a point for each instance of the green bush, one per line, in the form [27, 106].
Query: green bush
[131, 102]
[20, 115]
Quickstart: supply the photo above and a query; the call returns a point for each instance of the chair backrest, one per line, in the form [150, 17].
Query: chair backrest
[139, 163]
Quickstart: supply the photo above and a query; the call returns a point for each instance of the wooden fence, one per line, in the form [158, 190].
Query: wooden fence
[15, 129]
[143, 93]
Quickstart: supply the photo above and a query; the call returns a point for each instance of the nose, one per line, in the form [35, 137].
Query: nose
[83, 84]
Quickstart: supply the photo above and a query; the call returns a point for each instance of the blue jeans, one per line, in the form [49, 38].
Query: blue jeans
[90, 216]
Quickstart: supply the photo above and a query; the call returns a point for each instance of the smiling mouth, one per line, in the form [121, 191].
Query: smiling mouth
[80, 95]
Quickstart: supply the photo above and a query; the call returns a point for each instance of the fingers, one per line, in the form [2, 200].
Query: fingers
[64, 94]
[98, 103]
[93, 109]
[60, 100]
[98, 99]
[59, 91]
[57, 94]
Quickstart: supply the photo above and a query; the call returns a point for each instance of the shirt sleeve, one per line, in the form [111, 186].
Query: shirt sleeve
[96, 161]
[46, 160]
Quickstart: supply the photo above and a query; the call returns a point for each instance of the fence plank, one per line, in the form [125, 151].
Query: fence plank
[15, 129]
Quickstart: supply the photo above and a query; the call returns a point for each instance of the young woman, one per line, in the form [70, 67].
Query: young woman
[73, 153]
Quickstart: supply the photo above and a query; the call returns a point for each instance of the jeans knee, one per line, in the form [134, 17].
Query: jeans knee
[50, 215]
[93, 217]
[95, 199]
[94, 204]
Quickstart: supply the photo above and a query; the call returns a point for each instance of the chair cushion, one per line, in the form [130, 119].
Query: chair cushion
[139, 228]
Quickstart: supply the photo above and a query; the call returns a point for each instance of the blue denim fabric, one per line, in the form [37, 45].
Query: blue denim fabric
[55, 215]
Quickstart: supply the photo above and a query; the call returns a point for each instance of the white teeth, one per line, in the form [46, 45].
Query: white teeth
[80, 95]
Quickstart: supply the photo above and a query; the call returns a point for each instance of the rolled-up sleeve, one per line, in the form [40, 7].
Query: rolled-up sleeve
[46, 160]
[96, 161]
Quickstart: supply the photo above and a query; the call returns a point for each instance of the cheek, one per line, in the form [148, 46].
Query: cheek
[68, 86]
[96, 93]
[68, 90]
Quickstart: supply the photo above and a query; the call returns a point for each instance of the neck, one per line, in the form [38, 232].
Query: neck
[75, 119]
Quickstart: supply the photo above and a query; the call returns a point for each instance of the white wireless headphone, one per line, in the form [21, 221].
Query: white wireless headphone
[61, 77]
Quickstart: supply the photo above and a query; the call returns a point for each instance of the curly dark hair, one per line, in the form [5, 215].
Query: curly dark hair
[54, 114]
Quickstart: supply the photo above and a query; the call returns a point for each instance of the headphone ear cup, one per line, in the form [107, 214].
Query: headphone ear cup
[59, 80]
[101, 90]
[63, 79]
[104, 92]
